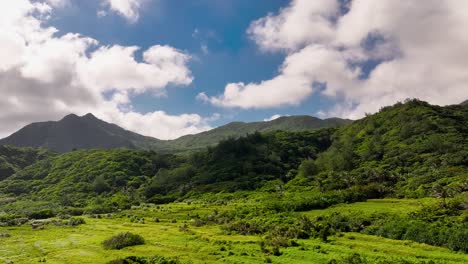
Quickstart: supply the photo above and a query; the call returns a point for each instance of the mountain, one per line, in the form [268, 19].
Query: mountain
[88, 132]
[239, 129]
[75, 132]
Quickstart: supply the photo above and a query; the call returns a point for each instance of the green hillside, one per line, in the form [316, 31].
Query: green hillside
[13, 159]
[405, 149]
[76, 178]
[238, 129]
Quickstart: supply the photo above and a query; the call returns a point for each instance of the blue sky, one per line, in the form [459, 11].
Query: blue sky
[220, 25]
[167, 68]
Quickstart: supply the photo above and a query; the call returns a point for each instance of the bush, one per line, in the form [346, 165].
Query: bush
[4, 235]
[74, 211]
[144, 260]
[75, 221]
[123, 240]
[41, 214]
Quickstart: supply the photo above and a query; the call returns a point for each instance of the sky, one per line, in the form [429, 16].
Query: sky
[166, 68]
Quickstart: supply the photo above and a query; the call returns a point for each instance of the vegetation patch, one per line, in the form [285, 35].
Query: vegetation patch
[123, 240]
[75, 221]
[4, 235]
[145, 260]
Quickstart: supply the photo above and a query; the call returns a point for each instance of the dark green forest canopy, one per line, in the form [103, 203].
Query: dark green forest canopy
[412, 145]
[13, 159]
[411, 149]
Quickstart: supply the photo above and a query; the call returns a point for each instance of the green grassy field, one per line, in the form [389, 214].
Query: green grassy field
[398, 206]
[209, 243]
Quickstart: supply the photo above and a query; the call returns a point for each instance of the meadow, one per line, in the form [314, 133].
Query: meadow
[171, 233]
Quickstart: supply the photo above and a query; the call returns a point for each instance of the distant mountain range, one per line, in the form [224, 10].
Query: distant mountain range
[88, 132]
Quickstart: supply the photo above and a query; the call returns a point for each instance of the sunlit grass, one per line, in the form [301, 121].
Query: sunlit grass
[207, 244]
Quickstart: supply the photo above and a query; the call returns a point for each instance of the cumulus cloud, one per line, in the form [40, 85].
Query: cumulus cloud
[365, 54]
[129, 9]
[294, 83]
[44, 76]
[115, 68]
[295, 26]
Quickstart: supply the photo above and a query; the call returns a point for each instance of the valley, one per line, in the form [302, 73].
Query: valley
[388, 188]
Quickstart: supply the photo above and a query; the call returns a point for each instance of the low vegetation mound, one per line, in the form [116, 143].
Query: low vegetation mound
[144, 260]
[123, 240]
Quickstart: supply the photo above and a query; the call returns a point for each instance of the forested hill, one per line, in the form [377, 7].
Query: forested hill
[406, 150]
[13, 159]
[88, 132]
[239, 129]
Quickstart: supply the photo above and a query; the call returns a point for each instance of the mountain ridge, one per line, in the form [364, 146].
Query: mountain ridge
[88, 132]
[237, 129]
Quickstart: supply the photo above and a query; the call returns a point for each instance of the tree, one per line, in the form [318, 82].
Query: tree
[307, 169]
[440, 191]
[100, 185]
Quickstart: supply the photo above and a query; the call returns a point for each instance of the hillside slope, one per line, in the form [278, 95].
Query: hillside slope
[413, 149]
[13, 159]
[239, 129]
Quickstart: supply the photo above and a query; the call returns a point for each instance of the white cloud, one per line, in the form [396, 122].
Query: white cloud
[298, 24]
[162, 125]
[273, 117]
[115, 68]
[420, 49]
[129, 9]
[58, 3]
[44, 76]
[294, 83]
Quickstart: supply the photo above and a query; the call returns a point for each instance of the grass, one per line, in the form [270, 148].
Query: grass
[207, 244]
[398, 206]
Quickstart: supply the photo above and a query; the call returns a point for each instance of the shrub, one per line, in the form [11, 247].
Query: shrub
[74, 211]
[4, 235]
[75, 221]
[145, 260]
[123, 240]
[41, 214]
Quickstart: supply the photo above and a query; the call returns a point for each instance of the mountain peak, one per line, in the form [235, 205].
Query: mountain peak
[70, 117]
[89, 116]
[73, 132]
